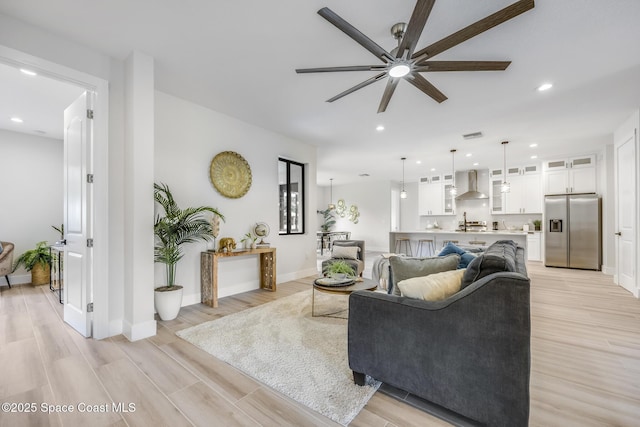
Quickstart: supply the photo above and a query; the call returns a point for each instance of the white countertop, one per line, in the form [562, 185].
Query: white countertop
[441, 231]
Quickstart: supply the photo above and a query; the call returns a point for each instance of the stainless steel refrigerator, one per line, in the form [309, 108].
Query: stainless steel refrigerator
[572, 231]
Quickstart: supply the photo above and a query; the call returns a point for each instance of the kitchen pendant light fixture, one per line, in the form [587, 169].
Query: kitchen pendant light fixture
[454, 190]
[403, 193]
[331, 205]
[506, 187]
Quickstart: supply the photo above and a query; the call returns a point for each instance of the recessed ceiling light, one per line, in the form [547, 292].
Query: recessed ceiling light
[476, 164]
[534, 145]
[544, 86]
[418, 162]
[468, 154]
[433, 169]
[28, 72]
[380, 128]
[534, 157]
[16, 119]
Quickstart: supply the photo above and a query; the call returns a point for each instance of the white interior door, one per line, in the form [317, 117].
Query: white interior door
[626, 196]
[77, 214]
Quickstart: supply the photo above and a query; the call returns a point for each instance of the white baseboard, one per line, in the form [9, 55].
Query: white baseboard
[609, 271]
[139, 330]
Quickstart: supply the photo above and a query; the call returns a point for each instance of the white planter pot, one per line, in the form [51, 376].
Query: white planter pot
[168, 303]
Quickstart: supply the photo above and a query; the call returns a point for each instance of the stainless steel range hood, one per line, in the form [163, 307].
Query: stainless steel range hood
[473, 193]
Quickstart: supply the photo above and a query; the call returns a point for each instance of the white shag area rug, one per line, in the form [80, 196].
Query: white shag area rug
[280, 344]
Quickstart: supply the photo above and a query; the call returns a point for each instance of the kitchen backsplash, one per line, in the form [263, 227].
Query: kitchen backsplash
[478, 210]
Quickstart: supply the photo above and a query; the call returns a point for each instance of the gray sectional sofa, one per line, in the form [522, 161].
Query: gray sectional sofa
[468, 353]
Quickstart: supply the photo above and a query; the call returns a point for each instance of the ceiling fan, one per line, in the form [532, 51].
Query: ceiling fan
[403, 63]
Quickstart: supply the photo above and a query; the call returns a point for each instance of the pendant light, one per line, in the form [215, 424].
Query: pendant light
[506, 187]
[331, 205]
[453, 190]
[403, 193]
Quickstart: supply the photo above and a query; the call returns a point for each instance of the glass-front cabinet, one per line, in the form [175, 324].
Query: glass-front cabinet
[434, 195]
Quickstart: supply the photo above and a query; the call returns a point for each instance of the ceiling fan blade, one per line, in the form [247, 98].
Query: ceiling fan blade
[347, 68]
[358, 86]
[416, 24]
[355, 34]
[388, 93]
[423, 84]
[428, 66]
[474, 29]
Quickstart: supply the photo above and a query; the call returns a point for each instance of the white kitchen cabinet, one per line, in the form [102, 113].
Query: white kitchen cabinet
[525, 195]
[573, 175]
[496, 197]
[534, 247]
[434, 196]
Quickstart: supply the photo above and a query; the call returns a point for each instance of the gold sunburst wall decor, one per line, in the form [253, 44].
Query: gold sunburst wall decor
[230, 174]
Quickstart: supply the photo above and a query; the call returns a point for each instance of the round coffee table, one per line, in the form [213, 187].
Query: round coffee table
[363, 285]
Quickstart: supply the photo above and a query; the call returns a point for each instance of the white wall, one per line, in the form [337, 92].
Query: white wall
[188, 136]
[31, 197]
[373, 202]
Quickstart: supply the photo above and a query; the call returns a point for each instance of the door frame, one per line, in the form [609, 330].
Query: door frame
[625, 137]
[100, 169]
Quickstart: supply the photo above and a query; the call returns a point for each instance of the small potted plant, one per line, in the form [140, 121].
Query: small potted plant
[340, 270]
[537, 224]
[174, 229]
[38, 262]
[249, 240]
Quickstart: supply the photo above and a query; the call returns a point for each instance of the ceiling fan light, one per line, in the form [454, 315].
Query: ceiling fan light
[399, 70]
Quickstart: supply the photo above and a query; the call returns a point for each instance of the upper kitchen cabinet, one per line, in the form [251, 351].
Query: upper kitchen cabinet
[434, 195]
[573, 175]
[525, 194]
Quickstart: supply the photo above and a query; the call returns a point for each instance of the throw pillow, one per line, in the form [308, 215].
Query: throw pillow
[465, 257]
[1, 248]
[403, 268]
[434, 287]
[500, 256]
[348, 252]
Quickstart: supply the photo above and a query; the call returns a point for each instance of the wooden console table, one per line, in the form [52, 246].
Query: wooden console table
[209, 271]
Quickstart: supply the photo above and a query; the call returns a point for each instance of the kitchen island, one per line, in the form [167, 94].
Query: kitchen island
[464, 238]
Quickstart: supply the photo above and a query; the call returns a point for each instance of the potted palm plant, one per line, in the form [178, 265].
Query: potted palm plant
[172, 230]
[38, 262]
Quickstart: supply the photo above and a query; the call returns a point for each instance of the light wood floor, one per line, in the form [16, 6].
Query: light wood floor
[585, 365]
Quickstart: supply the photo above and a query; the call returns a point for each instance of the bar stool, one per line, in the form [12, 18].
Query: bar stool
[445, 242]
[426, 244]
[400, 241]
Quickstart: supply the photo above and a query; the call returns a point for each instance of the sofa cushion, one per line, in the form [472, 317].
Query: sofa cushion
[1, 248]
[465, 256]
[434, 287]
[345, 252]
[403, 268]
[500, 256]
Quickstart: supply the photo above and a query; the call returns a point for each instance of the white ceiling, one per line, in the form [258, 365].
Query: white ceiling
[239, 58]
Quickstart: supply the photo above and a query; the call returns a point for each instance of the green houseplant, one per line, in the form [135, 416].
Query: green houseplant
[329, 220]
[38, 262]
[537, 224]
[339, 270]
[172, 230]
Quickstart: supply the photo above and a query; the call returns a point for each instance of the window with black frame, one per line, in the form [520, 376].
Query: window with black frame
[291, 191]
